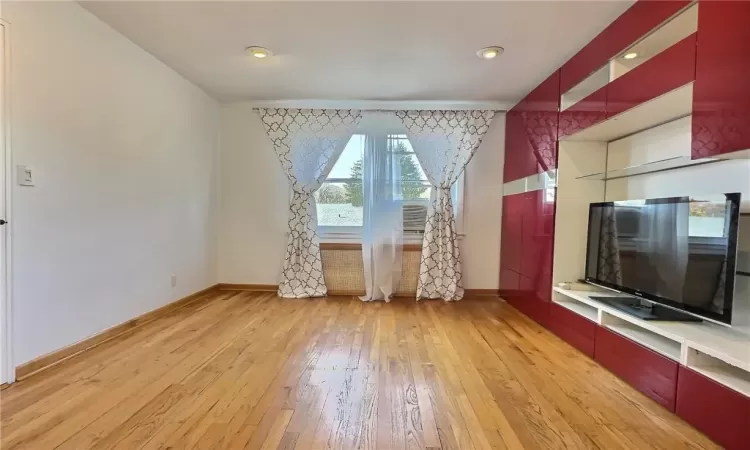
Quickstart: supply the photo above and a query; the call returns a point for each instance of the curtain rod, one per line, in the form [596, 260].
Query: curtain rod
[256, 108]
[383, 105]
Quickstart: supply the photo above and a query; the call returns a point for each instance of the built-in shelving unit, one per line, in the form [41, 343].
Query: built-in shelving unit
[582, 309]
[719, 353]
[656, 342]
[663, 109]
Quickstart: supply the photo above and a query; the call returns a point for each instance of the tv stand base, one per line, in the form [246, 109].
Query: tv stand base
[635, 307]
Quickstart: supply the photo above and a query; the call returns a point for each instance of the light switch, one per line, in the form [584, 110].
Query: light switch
[25, 175]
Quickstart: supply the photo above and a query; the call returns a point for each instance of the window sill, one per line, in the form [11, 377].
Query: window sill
[353, 238]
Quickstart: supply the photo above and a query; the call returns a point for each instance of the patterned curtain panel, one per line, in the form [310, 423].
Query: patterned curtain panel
[609, 266]
[308, 143]
[444, 142]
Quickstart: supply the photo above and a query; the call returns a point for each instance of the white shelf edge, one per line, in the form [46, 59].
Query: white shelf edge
[729, 359]
[654, 341]
[617, 313]
[586, 311]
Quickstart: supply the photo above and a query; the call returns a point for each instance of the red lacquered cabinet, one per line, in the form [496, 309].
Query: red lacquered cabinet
[509, 283]
[587, 112]
[512, 226]
[721, 413]
[721, 93]
[539, 111]
[573, 328]
[670, 69]
[520, 161]
[526, 252]
[649, 372]
[634, 23]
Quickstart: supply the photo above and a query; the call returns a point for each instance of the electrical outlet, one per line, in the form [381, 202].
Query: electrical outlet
[174, 280]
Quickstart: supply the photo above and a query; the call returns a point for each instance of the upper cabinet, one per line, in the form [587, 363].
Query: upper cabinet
[635, 23]
[721, 93]
[539, 113]
[531, 132]
[660, 60]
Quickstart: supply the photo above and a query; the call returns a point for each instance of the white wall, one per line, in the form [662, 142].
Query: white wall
[125, 153]
[483, 207]
[255, 196]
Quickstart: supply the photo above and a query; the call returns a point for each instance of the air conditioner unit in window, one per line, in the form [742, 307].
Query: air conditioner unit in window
[415, 215]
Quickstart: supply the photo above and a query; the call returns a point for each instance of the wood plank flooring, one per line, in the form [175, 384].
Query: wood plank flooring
[250, 370]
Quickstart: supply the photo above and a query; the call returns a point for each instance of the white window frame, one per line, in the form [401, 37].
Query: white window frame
[344, 234]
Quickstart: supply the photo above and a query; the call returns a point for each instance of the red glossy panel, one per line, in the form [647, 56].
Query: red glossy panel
[511, 240]
[520, 161]
[540, 115]
[647, 371]
[510, 169]
[539, 311]
[634, 23]
[508, 282]
[547, 235]
[670, 69]
[721, 93]
[574, 329]
[530, 236]
[589, 111]
[528, 303]
[721, 413]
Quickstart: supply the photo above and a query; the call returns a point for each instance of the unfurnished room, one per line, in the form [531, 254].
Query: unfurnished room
[385, 225]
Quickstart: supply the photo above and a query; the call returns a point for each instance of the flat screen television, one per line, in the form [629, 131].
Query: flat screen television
[677, 252]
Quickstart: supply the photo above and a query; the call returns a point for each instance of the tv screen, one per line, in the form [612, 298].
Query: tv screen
[678, 251]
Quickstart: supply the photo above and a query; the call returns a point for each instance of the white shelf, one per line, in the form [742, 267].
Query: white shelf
[581, 309]
[648, 339]
[665, 108]
[732, 377]
[676, 162]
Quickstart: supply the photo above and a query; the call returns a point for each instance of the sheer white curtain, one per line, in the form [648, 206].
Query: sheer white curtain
[444, 142]
[382, 231]
[308, 143]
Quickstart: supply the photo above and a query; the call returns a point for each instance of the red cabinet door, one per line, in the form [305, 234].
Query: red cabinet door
[540, 113]
[520, 160]
[670, 69]
[511, 238]
[529, 303]
[649, 372]
[576, 330]
[509, 283]
[721, 413]
[589, 111]
[637, 21]
[511, 166]
[721, 93]
[530, 239]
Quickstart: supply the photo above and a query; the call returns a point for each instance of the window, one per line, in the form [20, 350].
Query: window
[339, 199]
[708, 217]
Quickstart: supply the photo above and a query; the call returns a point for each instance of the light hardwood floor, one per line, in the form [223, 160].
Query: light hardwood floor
[250, 370]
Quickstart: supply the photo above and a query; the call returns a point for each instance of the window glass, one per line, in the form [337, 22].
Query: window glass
[339, 201]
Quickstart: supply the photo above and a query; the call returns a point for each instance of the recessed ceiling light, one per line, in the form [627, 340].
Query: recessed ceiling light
[490, 52]
[259, 52]
[631, 55]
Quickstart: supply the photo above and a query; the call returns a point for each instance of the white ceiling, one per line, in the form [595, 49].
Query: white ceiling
[356, 50]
